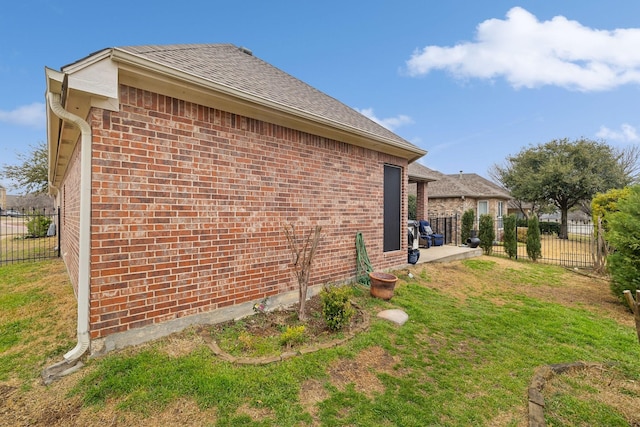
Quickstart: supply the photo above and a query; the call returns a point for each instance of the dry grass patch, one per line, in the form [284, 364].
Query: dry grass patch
[362, 371]
[179, 345]
[597, 384]
[312, 392]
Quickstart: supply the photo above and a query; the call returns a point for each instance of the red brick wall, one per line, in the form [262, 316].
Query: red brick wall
[189, 205]
[70, 216]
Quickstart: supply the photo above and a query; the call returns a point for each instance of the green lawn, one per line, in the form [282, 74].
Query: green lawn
[466, 357]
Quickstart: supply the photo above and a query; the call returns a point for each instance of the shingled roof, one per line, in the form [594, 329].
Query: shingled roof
[462, 184]
[421, 173]
[237, 70]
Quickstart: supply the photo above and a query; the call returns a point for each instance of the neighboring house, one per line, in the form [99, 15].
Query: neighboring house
[177, 168]
[454, 194]
[519, 209]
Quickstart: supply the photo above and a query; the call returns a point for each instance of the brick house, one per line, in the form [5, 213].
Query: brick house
[451, 195]
[177, 168]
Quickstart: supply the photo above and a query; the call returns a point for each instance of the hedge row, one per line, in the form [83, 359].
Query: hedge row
[546, 227]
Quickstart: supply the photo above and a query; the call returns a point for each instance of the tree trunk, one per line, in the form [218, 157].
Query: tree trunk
[303, 251]
[564, 228]
[635, 307]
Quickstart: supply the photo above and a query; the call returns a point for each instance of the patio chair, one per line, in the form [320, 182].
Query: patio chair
[426, 233]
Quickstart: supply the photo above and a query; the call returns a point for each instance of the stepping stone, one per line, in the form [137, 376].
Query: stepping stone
[394, 315]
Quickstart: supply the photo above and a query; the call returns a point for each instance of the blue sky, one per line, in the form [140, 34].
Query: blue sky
[471, 82]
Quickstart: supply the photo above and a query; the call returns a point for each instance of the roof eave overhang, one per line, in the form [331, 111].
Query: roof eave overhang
[92, 82]
[145, 74]
[413, 178]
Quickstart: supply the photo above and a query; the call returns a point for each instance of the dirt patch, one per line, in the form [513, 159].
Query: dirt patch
[312, 392]
[41, 407]
[180, 345]
[179, 413]
[362, 371]
[256, 414]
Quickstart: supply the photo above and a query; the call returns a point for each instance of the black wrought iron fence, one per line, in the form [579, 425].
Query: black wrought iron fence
[447, 227]
[577, 250]
[29, 235]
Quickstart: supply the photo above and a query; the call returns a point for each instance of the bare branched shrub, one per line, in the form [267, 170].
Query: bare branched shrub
[303, 250]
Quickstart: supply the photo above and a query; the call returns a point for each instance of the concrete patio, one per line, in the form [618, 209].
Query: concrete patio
[447, 253]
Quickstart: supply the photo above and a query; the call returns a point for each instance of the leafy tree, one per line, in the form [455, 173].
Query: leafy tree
[486, 233]
[534, 246]
[412, 207]
[32, 174]
[509, 237]
[563, 173]
[603, 205]
[468, 218]
[629, 160]
[623, 235]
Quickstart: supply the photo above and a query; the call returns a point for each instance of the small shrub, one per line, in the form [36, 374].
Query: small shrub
[534, 246]
[522, 234]
[38, 226]
[486, 233]
[247, 341]
[292, 335]
[336, 307]
[468, 218]
[549, 227]
[509, 236]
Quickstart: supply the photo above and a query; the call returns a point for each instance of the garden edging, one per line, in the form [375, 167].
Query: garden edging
[215, 348]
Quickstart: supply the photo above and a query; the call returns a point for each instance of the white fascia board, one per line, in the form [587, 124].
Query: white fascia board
[99, 79]
[54, 85]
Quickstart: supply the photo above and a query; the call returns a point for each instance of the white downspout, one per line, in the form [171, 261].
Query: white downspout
[68, 365]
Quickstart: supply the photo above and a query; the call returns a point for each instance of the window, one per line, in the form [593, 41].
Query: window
[392, 208]
[483, 207]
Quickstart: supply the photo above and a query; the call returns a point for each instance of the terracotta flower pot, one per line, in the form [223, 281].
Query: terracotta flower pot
[381, 285]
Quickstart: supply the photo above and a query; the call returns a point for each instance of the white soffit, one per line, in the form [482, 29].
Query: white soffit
[99, 79]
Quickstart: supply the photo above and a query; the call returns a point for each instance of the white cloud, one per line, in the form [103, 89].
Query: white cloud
[529, 53]
[627, 133]
[390, 123]
[32, 115]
